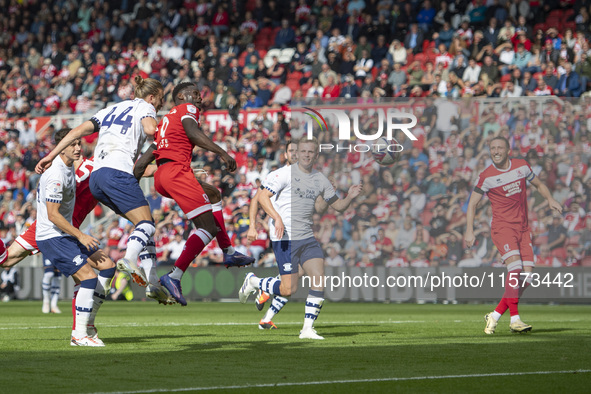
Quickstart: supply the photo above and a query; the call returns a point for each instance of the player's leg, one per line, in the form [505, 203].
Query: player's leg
[314, 268]
[16, 253]
[84, 303]
[56, 284]
[106, 267]
[231, 257]
[48, 273]
[206, 230]
[177, 182]
[283, 286]
[121, 192]
[527, 255]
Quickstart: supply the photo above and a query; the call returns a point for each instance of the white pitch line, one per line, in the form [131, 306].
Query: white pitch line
[433, 377]
[172, 324]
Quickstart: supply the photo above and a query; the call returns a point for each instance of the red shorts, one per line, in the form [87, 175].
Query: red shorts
[177, 181]
[27, 239]
[512, 242]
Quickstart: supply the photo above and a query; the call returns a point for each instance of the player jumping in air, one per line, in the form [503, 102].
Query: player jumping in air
[178, 133]
[297, 188]
[123, 128]
[504, 181]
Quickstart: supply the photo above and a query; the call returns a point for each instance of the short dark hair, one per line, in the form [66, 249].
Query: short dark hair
[60, 134]
[179, 88]
[501, 138]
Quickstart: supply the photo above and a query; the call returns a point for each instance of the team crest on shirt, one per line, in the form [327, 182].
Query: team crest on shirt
[507, 248]
[192, 109]
[519, 173]
[316, 183]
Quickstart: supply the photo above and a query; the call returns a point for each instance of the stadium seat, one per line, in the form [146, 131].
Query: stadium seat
[506, 78]
[242, 59]
[295, 75]
[293, 85]
[555, 14]
[586, 261]
[420, 57]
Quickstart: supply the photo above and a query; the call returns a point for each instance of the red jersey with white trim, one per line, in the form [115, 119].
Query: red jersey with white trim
[507, 192]
[85, 201]
[171, 139]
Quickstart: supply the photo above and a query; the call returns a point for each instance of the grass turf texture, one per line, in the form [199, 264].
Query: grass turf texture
[154, 348]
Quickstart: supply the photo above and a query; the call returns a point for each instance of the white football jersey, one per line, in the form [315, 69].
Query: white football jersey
[57, 184]
[296, 192]
[121, 135]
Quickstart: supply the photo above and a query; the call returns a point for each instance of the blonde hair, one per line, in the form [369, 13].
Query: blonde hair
[312, 140]
[146, 87]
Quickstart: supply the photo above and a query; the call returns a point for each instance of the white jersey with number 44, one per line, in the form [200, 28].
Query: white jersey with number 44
[121, 135]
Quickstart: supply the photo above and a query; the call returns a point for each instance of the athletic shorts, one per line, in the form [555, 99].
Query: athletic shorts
[66, 253]
[27, 239]
[177, 181]
[291, 254]
[512, 242]
[116, 189]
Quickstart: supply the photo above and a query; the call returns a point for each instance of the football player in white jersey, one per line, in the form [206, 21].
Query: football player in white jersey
[123, 128]
[297, 188]
[66, 246]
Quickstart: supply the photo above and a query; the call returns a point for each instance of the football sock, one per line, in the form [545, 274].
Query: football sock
[514, 318]
[193, 247]
[56, 282]
[512, 286]
[46, 283]
[276, 305]
[313, 305]
[496, 315]
[138, 239]
[148, 260]
[100, 293]
[76, 288]
[222, 235]
[84, 303]
[268, 285]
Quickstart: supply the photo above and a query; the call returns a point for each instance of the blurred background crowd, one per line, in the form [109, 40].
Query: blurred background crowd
[66, 57]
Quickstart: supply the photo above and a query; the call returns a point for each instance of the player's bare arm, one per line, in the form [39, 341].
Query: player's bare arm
[198, 137]
[469, 237]
[85, 129]
[265, 201]
[545, 192]
[342, 204]
[252, 234]
[60, 221]
[143, 162]
[149, 125]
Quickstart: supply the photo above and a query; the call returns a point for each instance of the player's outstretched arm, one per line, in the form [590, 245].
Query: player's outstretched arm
[545, 192]
[198, 137]
[143, 162]
[54, 215]
[85, 129]
[252, 214]
[342, 204]
[265, 201]
[469, 237]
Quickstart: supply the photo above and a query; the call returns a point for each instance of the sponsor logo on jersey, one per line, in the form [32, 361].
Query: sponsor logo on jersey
[512, 188]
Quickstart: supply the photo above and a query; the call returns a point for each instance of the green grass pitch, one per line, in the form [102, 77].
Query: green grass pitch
[368, 348]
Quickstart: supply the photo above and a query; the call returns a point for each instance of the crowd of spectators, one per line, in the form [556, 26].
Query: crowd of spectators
[60, 58]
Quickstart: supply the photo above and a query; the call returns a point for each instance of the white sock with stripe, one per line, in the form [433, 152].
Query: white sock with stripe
[138, 239]
[100, 293]
[268, 285]
[148, 262]
[56, 282]
[276, 305]
[313, 305]
[46, 284]
[84, 301]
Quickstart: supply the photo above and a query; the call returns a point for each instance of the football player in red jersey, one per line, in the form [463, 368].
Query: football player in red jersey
[504, 181]
[177, 134]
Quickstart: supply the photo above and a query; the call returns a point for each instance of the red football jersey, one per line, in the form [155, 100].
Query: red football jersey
[85, 201]
[507, 192]
[171, 140]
